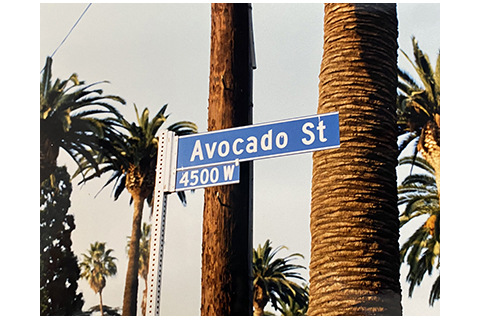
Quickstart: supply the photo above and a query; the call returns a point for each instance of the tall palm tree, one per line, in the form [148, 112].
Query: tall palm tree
[354, 265]
[271, 279]
[418, 107]
[143, 259]
[131, 156]
[96, 266]
[418, 196]
[68, 119]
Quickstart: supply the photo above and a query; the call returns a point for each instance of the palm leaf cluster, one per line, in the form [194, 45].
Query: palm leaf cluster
[418, 103]
[133, 150]
[272, 278]
[69, 119]
[418, 196]
[97, 265]
[292, 308]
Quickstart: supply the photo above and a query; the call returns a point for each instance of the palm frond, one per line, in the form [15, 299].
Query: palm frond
[417, 161]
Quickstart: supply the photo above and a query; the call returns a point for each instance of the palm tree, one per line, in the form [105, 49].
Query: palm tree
[271, 279]
[292, 308]
[131, 156]
[66, 119]
[227, 214]
[419, 197]
[418, 107]
[355, 265]
[96, 266]
[143, 259]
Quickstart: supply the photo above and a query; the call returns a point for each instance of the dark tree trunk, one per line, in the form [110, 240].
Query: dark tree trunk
[354, 266]
[131, 281]
[49, 151]
[227, 221]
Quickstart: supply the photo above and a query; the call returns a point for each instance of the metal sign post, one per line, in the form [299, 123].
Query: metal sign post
[165, 176]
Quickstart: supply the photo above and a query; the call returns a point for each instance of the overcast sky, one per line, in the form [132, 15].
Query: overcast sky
[154, 54]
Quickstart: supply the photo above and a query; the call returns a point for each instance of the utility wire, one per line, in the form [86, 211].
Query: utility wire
[61, 43]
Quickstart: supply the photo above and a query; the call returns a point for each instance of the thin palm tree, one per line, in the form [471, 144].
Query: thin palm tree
[272, 279]
[131, 157]
[69, 112]
[355, 264]
[143, 259]
[418, 196]
[96, 266]
[418, 107]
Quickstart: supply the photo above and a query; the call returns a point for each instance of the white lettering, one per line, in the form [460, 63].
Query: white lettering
[184, 179]
[320, 128]
[204, 176]
[234, 146]
[193, 175]
[305, 130]
[279, 137]
[226, 147]
[252, 146]
[197, 151]
[214, 175]
[228, 172]
[211, 151]
[266, 141]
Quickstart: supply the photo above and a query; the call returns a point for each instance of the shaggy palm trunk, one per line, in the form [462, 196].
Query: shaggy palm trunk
[354, 265]
[131, 281]
[227, 221]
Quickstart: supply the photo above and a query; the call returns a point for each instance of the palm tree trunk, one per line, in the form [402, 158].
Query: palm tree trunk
[131, 282]
[354, 265]
[144, 299]
[227, 221]
[260, 300]
[49, 151]
[101, 302]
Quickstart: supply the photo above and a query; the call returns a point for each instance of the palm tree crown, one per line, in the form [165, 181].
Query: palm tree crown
[418, 196]
[418, 103]
[418, 108]
[98, 264]
[271, 279]
[131, 154]
[67, 119]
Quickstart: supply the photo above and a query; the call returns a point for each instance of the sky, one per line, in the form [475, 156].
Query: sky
[154, 54]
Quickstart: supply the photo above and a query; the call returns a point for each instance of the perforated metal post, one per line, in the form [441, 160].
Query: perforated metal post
[165, 176]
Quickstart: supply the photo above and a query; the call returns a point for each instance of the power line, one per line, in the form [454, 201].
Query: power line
[61, 43]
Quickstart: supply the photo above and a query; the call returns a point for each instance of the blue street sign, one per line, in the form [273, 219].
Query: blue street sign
[207, 176]
[274, 139]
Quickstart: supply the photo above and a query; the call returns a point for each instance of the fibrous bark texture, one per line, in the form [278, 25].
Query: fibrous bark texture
[354, 268]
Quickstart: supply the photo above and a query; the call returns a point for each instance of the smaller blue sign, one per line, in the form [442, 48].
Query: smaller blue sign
[189, 179]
